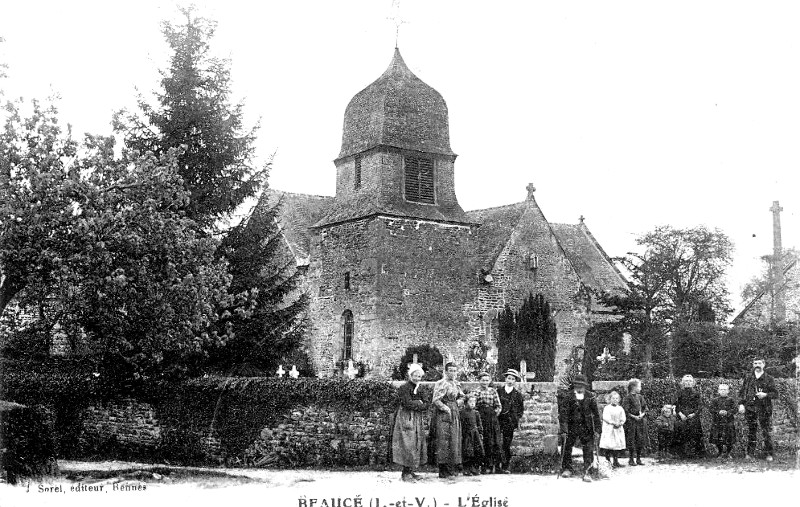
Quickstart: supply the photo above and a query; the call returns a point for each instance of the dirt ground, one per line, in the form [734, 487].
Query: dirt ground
[685, 483]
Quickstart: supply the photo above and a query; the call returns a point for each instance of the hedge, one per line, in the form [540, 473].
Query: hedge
[660, 392]
[27, 447]
[233, 410]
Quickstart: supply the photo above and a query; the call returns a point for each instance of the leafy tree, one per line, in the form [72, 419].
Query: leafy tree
[640, 307]
[37, 193]
[273, 326]
[692, 263]
[677, 278]
[778, 346]
[193, 111]
[108, 244]
[429, 356]
[696, 349]
[762, 292]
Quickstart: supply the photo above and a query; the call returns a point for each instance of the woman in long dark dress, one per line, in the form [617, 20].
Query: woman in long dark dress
[408, 438]
[446, 395]
[489, 407]
[635, 407]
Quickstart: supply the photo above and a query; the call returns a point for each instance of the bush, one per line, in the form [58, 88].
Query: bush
[430, 358]
[27, 448]
[696, 349]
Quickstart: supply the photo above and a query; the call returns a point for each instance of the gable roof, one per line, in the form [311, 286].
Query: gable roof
[493, 234]
[596, 269]
[298, 213]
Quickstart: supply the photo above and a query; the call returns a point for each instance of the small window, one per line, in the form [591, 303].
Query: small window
[357, 177]
[347, 281]
[419, 180]
[347, 353]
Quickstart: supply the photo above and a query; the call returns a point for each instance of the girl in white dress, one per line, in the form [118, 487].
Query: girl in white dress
[612, 440]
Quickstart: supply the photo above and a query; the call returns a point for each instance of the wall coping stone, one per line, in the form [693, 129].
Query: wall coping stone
[525, 387]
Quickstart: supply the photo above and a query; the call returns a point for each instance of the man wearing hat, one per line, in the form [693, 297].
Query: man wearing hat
[755, 402]
[579, 421]
[511, 409]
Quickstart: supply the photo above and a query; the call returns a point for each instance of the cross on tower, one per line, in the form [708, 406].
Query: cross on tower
[396, 19]
[531, 189]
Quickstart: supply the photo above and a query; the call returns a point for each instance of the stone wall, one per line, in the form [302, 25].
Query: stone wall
[405, 290]
[323, 436]
[318, 436]
[129, 422]
[306, 435]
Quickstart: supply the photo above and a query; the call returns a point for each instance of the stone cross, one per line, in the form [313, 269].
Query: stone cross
[293, 372]
[531, 189]
[397, 20]
[351, 370]
[581, 218]
[280, 371]
[605, 356]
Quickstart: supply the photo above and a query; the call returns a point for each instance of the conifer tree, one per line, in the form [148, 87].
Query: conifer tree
[528, 334]
[194, 112]
[507, 356]
[271, 328]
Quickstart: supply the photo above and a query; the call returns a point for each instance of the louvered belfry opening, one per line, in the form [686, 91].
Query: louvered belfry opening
[357, 177]
[419, 180]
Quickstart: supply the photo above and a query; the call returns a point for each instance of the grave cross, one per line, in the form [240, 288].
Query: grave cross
[280, 371]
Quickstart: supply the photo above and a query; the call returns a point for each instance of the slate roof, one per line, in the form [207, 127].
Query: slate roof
[368, 204]
[496, 226]
[593, 265]
[590, 261]
[398, 109]
[298, 213]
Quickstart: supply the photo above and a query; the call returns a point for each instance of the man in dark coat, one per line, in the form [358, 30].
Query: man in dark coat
[579, 421]
[755, 402]
[511, 410]
[688, 405]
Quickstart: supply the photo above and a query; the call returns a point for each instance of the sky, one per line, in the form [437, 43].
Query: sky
[632, 114]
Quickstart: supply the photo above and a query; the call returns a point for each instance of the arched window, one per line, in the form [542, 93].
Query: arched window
[347, 317]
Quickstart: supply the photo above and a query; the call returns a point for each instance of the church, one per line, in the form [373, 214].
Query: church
[393, 261]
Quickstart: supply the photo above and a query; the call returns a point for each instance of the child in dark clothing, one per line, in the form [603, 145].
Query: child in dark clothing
[472, 440]
[723, 426]
[665, 423]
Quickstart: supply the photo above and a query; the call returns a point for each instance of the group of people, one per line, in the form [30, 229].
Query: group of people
[623, 425]
[471, 432]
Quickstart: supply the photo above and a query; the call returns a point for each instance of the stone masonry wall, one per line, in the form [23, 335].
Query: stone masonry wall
[323, 436]
[309, 435]
[513, 281]
[130, 422]
[406, 289]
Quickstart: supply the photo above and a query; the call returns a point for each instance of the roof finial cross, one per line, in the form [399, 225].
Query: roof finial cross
[581, 218]
[531, 189]
[397, 19]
